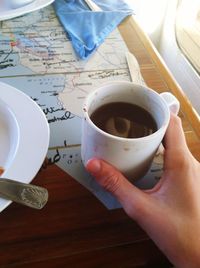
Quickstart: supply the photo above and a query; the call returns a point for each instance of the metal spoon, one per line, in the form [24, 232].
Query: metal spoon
[92, 6]
[27, 194]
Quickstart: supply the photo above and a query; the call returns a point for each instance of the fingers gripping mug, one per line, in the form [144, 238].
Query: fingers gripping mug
[116, 138]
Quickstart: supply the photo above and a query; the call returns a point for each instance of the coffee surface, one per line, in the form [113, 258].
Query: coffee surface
[124, 120]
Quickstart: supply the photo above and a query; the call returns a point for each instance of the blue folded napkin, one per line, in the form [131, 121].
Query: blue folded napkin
[88, 29]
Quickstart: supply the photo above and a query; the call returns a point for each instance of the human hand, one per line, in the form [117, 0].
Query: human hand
[169, 212]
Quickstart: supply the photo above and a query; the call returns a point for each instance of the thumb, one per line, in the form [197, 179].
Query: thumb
[133, 200]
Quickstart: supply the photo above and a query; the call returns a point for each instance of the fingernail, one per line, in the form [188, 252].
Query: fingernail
[93, 165]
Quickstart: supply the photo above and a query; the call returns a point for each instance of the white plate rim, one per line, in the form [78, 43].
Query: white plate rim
[33, 129]
[12, 13]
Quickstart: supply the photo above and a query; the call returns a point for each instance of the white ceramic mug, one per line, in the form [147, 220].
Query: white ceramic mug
[132, 156]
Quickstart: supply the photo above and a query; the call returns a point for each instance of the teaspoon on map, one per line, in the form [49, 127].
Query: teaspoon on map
[27, 194]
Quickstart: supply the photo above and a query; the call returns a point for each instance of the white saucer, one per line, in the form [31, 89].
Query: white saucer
[24, 136]
[6, 14]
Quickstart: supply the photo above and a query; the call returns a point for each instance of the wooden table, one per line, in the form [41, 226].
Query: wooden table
[75, 229]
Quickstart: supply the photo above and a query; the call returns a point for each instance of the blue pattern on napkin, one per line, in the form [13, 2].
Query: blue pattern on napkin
[88, 29]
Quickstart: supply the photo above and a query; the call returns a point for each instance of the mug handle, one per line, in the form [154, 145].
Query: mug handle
[174, 106]
[172, 102]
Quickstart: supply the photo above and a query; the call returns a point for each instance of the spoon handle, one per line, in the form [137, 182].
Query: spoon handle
[27, 194]
[92, 5]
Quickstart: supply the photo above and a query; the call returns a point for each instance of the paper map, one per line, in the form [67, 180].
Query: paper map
[37, 58]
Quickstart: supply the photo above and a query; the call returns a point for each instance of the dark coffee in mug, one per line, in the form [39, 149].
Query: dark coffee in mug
[125, 120]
